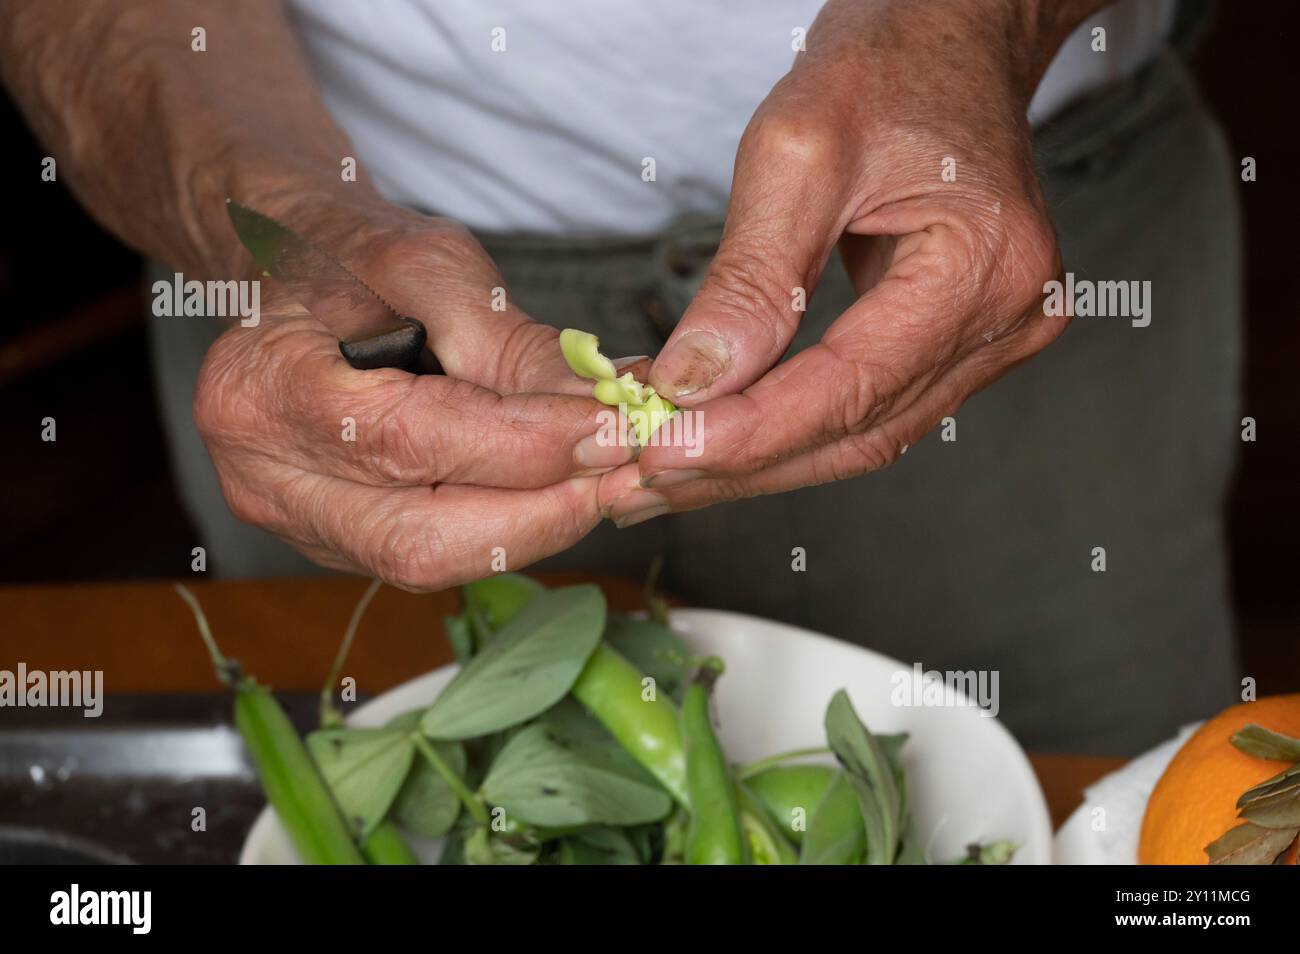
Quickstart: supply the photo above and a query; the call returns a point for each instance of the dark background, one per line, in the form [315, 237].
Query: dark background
[100, 502]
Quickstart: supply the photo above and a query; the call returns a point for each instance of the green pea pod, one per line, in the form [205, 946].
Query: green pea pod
[642, 719]
[791, 794]
[714, 836]
[836, 834]
[288, 775]
[292, 784]
[767, 845]
[386, 846]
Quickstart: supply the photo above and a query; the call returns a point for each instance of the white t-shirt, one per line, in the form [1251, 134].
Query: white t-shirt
[536, 115]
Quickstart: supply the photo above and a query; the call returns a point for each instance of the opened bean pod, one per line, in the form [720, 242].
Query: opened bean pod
[646, 410]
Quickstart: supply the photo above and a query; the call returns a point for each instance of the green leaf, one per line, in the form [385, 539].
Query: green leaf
[655, 650]
[453, 850]
[364, 769]
[539, 780]
[836, 834]
[767, 844]
[1266, 744]
[525, 669]
[426, 804]
[499, 599]
[1250, 845]
[481, 848]
[600, 845]
[910, 850]
[872, 775]
[460, 637]
[994, 853]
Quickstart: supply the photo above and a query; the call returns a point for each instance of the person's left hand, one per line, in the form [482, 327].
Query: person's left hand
[851, 148]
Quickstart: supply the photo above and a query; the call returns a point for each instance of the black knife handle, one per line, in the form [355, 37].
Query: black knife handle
[403, 348]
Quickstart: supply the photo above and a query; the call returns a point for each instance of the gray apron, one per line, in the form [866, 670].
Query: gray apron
[975, 553]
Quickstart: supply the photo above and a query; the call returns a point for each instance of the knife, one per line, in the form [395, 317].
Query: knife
[371, 334]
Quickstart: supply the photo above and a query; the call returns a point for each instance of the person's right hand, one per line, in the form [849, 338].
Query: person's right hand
[442, 470]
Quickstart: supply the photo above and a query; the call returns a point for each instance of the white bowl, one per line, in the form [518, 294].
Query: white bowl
[968, 780]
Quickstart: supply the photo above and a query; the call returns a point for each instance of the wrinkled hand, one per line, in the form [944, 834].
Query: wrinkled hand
[442, 469]
[851, 148]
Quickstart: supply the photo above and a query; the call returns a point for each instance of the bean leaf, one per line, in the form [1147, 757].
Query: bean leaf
[364, 769]
[460, 637]
[539, 780]
[599, 845]
[481, 848]
[655, 650]
[1266, 744]
[910, 851]
[525, 669]
[872, 776]
[1250, 845]
[835, 835]
[425, 804]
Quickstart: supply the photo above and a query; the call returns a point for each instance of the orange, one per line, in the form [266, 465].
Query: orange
[1195, 800]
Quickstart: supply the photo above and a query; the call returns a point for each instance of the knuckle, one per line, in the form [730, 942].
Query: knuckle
[866, 390]
[246, 501]
[218, 396]
[411, 554]
[742, 283]
[397, 450]
[796, 139]
[1017, 259]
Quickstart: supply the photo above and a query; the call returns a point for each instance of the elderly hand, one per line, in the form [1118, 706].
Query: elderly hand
[901, 136]
[440, 471]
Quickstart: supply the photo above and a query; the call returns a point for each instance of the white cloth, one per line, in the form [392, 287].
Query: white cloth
[1105, 829]
[549, 134]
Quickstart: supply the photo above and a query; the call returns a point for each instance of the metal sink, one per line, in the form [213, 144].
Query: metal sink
[124, 787]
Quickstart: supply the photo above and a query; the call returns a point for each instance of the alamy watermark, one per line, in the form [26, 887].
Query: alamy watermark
[35, 688]
[972, 687]
[685, 428]
[211, 299]
[132, 909]
[1085, 298]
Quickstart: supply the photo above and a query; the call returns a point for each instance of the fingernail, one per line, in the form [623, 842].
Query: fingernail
[621, 363]
[671, 478]
[640, 516]
[695, 362]
[601, 450]
[638, 504]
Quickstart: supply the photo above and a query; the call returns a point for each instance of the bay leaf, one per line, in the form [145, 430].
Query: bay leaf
[1278, 810]
[1250, 845]
[1266, 744]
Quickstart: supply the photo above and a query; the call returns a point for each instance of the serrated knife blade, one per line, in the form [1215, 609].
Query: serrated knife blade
[371, 334]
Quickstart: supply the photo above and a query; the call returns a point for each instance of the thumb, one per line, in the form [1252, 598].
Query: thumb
[782, 225]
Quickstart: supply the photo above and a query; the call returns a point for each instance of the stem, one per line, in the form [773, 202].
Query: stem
[656, 608]
[472, 804]
[753, 768]
[329, 713]
[219, 662]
